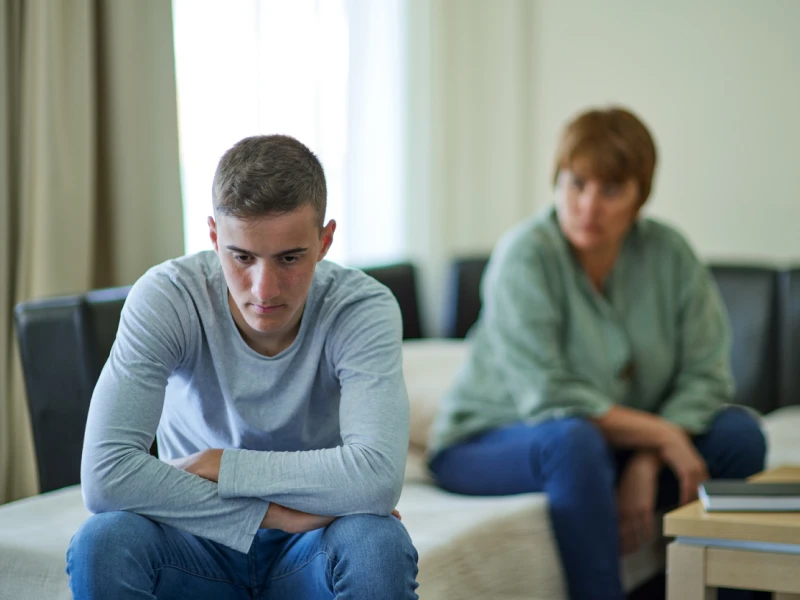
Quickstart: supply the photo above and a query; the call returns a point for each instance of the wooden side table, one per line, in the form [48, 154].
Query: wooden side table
[757, 551]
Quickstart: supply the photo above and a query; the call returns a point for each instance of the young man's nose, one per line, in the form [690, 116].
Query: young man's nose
[265, 285]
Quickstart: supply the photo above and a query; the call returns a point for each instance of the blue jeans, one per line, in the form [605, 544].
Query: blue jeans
[570, 460]
[122, 555]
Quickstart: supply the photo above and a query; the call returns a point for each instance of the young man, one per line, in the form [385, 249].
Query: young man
[274, 380]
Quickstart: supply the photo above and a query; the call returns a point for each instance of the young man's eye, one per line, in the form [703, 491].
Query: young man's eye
[288, 260]
[242, 258]
[611, 189]
[577, 183]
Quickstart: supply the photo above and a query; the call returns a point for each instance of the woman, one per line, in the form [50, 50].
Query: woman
[599, 368]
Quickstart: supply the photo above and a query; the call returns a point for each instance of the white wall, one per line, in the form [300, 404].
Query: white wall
[469, 132]
[492, 82]
[718, 81]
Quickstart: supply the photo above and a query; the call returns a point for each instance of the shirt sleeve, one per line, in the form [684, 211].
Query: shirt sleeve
[365, 473]
[703, 381]
[117, 471]
[524, 321]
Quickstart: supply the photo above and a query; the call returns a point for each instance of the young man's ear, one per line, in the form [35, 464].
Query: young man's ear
[212, 233]
[326, 235]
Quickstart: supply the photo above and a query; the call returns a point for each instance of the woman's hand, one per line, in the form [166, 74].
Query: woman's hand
[636, 500]
[625, 427]
[680, 455]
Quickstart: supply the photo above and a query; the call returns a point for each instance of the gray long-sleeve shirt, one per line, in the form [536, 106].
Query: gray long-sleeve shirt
[321, 427]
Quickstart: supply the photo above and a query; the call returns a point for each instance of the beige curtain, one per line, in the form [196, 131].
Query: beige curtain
[89, 172]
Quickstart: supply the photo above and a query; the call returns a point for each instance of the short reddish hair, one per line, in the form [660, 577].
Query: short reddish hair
[612, 144]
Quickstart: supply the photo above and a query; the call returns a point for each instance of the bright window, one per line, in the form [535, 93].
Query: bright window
[328, 72]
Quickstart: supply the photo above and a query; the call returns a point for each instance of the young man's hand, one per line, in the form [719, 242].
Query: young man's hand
[636, 500]
[295, 521]
[204, 464]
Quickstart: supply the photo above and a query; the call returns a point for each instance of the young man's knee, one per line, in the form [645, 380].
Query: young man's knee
[372, 557]
[369, 533]
[102, 536]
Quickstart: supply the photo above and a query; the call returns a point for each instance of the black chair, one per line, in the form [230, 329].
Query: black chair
[463, 295]
[401, 279]
[789, 332]
[764, 352]
[750, 295]
[63, 345]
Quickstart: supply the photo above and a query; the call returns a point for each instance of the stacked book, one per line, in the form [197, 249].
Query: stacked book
[739, 495]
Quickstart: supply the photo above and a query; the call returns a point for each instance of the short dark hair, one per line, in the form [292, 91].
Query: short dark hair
[614, 142]
[268, 175]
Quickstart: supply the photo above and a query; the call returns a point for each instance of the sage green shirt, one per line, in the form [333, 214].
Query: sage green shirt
[548, 345]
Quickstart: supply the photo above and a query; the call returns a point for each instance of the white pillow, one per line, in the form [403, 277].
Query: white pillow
[783, 442]
[429, 367]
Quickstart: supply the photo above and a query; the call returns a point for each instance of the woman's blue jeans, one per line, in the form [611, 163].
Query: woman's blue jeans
[570, 461]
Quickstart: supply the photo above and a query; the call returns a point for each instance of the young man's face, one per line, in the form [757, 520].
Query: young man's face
[269, 264]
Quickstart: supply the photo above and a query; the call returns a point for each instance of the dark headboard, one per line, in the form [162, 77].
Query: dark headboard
[789, 337]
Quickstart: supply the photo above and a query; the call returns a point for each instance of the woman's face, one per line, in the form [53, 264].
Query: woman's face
[595, 215]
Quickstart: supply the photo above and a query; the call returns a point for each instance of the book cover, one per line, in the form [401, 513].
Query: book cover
[741, 495]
